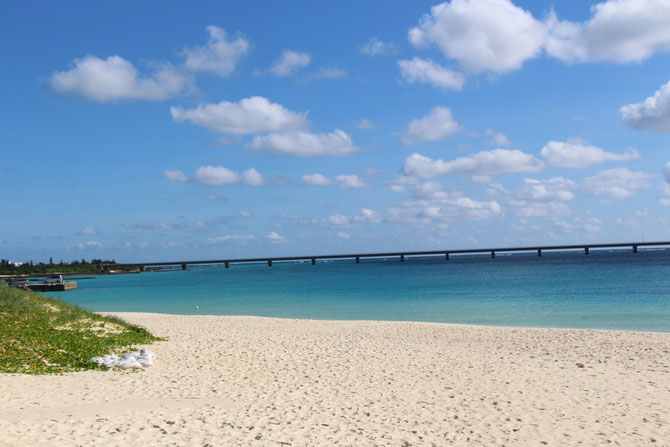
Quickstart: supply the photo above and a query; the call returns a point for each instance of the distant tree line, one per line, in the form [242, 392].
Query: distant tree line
[29, 267]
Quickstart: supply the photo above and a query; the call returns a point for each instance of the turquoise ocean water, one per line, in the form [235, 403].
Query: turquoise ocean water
[605, 290]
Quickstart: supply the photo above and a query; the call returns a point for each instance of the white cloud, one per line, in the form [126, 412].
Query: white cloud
[252, 177]
[304, 144]
[497, 138]
[653, 113]
[619, 31]
[220, 56]
[450, 209]
[175, 176]
[114, 79]
[429, 72]
[316, 179]
[575, 154]
[290, 62]
[95, 244]
[366, 124]
[553, 189]
[497, 161]
[666, 172]
[233, 238]
[274, 237]
[343, 235]
[616, 183]
[87, 230]
[375, 47]
[351, 181]
[216, 176]
[482, 35]
[249, 115]
[438, 124]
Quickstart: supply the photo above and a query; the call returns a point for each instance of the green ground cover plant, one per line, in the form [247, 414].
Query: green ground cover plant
[43, 335]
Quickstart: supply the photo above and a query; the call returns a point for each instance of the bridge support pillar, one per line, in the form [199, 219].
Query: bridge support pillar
[586, 250]
[539, 252]
[269, 262]
[313, 261]
[402, 258]
[183, 266]
[141, 267]
[493, 254]
[227, 264]
[634, 248]
[446, 256]
[358, 259]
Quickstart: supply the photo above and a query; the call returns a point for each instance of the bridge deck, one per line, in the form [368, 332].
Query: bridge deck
[402, 254]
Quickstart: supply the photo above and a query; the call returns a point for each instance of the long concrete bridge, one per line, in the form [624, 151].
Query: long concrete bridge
[402, 255]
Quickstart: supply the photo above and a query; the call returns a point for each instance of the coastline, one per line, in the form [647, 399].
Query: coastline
[230, 380]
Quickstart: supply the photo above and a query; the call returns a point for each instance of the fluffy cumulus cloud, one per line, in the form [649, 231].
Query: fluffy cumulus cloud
[304, 144]
[553, 189]
[220, 56]
[290, 62]
[497, 161]
[375, 47]
[249, 115]
[653, 113]
[316, 179]
[349, 181]
[619, 31]
[452, 208]
[115, 79]
[498, 36]
[575, 154]
[427, 71]
[616, 183]
[482, 35]
[217, 176]
[438, 124]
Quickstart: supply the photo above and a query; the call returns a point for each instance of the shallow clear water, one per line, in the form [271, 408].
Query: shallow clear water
[605, 290]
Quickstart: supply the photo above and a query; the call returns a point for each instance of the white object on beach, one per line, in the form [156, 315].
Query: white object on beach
[130, 364]
[128, 360]
[144, 362]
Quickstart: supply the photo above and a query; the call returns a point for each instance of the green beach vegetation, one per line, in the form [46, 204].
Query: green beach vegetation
[42, 335]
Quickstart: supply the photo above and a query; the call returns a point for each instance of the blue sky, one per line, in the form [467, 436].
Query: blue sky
[154, 131]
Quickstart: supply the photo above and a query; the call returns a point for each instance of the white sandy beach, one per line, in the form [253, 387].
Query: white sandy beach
[261, 381]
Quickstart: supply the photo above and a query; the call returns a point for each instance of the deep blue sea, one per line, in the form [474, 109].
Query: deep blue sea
[605, 290]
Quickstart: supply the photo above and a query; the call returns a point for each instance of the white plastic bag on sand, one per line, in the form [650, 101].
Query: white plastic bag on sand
[130, 364]
[146, 354]
[144, 362]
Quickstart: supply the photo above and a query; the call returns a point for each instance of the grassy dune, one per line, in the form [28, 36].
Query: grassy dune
[42, 335]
